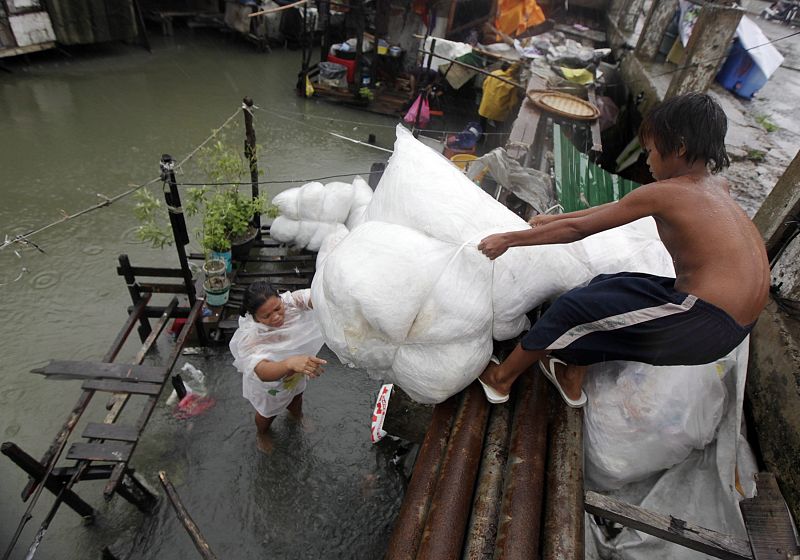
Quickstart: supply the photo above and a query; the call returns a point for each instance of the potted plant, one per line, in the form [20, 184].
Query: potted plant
[225, 214]
[226, 219]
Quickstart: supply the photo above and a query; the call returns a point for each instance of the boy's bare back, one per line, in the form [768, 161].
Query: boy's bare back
[718, 253]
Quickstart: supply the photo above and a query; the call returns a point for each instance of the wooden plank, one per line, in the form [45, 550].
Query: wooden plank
[112, 451]
[161, 288]
[70, 369]
[158, 272]
[597, 140]
[279, 258]
[117, 432]
[183, 515]
[523, 132]
[668, 528]
[37, 472]
[768, 523]
[114, 386]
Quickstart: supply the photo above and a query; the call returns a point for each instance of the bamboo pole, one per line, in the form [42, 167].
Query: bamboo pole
[278, 9]
[186, 519]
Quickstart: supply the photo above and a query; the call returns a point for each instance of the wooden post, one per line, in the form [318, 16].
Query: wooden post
[250, 153]
[186, 519]
[629, 15]
[658, 19]
[711, 36]
[135, 293]
[136, 493]
[176, 220]
[37, 471]
[179, 233]
[360, 23]
[778, 213]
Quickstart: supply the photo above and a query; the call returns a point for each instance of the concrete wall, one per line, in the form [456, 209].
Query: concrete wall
[773, 377]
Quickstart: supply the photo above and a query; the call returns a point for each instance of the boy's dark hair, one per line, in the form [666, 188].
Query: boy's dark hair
[694, 120]
[254, 297]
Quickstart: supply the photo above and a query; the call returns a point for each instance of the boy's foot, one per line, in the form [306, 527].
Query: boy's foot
[557, 373]
[495, 393]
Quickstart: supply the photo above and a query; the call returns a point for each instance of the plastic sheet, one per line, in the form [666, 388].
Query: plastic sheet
[253, 342]
[310, 213]
[408, 296]
[700, 489]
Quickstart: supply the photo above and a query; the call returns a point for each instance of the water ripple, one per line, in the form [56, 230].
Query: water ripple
[46, 279]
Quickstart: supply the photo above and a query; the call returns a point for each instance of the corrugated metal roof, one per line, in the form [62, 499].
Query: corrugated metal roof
[579, 182]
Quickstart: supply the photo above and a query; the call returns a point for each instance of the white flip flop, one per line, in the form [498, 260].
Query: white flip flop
[491, 395]
[550, 373]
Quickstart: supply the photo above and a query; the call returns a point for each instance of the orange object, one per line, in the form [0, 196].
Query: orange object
[515, 16]
[450, 153]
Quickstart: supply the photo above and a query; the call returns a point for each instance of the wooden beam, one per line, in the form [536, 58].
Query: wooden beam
[70, 369]
[768, 523]
[775, 218]
[711, 37]
[658, 19]
[183, 515]
[37, 472]
[668, 528]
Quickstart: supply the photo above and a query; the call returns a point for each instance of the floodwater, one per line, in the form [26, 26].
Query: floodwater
[95, 121]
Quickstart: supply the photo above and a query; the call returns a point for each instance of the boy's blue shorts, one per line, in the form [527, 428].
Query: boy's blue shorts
[634, 317]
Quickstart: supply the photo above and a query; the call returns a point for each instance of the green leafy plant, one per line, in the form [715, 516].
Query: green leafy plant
[756, 156]
[366, 93]
[768, 125]
[149, 211]
[225, 213]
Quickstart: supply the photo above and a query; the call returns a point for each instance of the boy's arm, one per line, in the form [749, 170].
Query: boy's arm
[638, 204]
[542, 219]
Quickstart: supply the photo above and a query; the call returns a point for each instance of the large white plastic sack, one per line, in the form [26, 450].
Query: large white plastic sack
[408, 296]
[642, 419]
[310, 213]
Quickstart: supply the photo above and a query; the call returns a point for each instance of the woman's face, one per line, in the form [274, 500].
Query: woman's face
[271, 312]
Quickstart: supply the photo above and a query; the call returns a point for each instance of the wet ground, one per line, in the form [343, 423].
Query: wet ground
[96, 121]
[759, 156]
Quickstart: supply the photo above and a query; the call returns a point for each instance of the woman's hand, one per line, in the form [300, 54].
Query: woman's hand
[307, 365]
[494, 245]
[542, 219]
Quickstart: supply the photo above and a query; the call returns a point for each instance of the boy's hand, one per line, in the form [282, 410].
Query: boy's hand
[494, 245]
[307, 365]
[542, 219]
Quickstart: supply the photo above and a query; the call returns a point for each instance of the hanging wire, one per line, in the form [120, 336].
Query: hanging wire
[723, 57]
[24, 238]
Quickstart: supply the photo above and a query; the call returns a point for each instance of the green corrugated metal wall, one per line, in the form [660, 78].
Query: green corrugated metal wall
[579, 182]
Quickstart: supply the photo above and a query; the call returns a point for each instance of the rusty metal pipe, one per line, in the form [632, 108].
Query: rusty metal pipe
[518, 534]
[564, 518]
[443, 536]
[482, 528]
[407, 531]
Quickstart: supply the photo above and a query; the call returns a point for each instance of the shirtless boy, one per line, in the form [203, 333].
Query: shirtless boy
[722, 272]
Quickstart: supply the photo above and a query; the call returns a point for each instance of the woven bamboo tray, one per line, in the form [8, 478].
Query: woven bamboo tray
[565, 105]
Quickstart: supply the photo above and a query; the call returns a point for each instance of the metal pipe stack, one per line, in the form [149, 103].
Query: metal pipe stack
[496, 481]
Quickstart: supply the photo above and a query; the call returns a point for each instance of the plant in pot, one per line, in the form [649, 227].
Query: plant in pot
[216, 283]
[226, 219]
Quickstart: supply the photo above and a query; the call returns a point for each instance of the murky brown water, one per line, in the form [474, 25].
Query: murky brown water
[72, 127]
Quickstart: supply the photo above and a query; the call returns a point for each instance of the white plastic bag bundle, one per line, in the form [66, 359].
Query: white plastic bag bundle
[310, 213]
[642, 419]
[408, 296]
